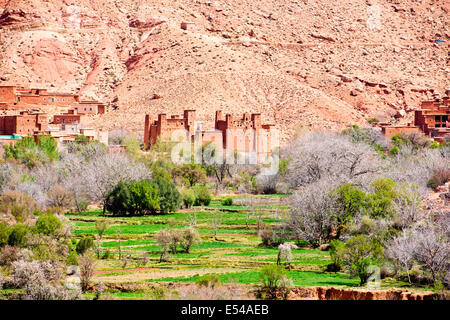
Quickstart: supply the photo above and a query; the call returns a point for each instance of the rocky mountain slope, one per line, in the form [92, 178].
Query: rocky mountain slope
[301, 63]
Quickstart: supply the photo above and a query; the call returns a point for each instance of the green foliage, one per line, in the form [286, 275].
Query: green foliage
[283, 166]
[48, 224]
[81, 139]
[31, 153]
[271, 275]
[209, 280]
[106, 255]
[4, 234]
[358, 254]
[72, 259]
[161, 169]
[227, 201]
[169, 197]
[333, 267]
[334, 248]
[202, 195]
[394, 151]
[118, 200]
[144, 197]
[18, 204]
[134, 198]
[188, 196]
[373, 120]
[84, 244]
[379, 203]
[351, 201]
[17, 235]
[132, 144]
[190, 173]
[400, 139]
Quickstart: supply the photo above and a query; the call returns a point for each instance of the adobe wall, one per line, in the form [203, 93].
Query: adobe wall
[392, 131]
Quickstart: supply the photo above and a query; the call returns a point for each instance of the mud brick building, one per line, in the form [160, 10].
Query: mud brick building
[244, 135]
[16, 98]
[164, 127]
[71, 117]
[24, 123]
[432, 119]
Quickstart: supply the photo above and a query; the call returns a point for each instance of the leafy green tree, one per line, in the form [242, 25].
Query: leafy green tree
[118, 200]
[188, 196]
[380, 202]
[191, 173]
[358, 253]
[144, 197]
[350, 200]
[18, 235]
[169, 197]
[135, 197]
[202, 195]
[48, 224]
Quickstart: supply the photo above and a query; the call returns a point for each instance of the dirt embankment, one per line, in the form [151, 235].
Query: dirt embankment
[324, 293]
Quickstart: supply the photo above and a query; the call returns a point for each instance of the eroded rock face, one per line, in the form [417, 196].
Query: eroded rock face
[324, 293]
[332, 70]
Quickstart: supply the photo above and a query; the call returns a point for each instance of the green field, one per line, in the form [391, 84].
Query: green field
[236, 255]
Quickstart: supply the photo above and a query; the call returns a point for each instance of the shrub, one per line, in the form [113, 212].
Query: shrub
[31, 153]
[273, 280]
[189, 238]
[82, 205]
[188, 196]
[48, 224]
[209, 280]
[4, 234]
[228, 201]
[20, 205]
[86, 263]
[106, 255]
[17, 236]
[84, 244]
[440, 176]
[58, 196]
[271, 275]
[202, 195]
[72, 259]
[333, 267]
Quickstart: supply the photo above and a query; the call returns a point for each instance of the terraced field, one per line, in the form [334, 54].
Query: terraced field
[235, 254]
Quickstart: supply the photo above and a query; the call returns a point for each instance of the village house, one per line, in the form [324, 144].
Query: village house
[17, 98]
[24, 123]
[71, 117]
[244, 135]
[432, 120]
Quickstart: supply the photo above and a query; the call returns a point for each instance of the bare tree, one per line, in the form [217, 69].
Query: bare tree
[432, 250]
[313, 213]
[319, 155]
[86, 262]
[401, 251]
[104, 172]
[285, 253]
[216, 222]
